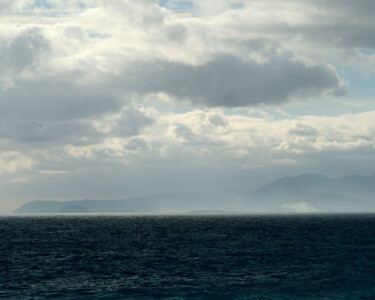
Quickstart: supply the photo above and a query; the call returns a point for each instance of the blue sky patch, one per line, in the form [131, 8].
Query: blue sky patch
[178, 6]
[358, 83]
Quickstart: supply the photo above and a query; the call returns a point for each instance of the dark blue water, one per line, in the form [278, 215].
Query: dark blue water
[188, 257]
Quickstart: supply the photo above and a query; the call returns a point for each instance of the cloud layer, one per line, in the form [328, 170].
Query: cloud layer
[129, 90]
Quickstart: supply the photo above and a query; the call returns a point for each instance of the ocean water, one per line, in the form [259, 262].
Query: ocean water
[188, 257]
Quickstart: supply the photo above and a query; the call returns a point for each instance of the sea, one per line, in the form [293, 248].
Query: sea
[187, 257]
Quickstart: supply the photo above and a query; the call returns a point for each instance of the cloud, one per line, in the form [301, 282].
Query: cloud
[136, 144]
[13, 5]
[13, 162]
[22, 51]
[228, 81]
[112, 91]
[192, 152]
[313, 30]
[39, 134]
[131, 122]
[84, 128]
[55, 100]
[165, 55]
[300, 129]
[127, 122]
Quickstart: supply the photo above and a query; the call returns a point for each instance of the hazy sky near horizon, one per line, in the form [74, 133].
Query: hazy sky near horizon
[114, 98]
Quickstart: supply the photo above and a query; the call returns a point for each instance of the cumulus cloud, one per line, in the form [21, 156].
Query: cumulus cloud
[14, 162]
[191, 147]
[13, 5]
[40, 134]
[189, 59]
[129, 121]
[228, 81]
[23, 50]
[300, 129]
[244, 139]
[54, 100]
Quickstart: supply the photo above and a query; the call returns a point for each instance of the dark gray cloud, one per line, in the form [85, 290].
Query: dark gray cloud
[54, 112]
[184, 132]
[303, 130]
[332, 24]
[136, 144]
[357, 9]
[230, 81]
[132, 121]
[23, 51]
[49, 133]
[341, 34]
[46, 118]
[55, 100]
[217, 120]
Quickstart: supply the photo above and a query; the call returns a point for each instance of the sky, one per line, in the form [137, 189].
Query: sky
[109, 99]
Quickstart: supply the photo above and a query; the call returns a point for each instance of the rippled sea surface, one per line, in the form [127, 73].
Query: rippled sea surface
[187, 257]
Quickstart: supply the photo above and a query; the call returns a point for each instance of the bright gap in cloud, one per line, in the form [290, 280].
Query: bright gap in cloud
[359, 83]
[367, 51]
[178, 6]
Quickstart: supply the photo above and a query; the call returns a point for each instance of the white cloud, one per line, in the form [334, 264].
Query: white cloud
[14, 162]
[237, 141]
[13, 5]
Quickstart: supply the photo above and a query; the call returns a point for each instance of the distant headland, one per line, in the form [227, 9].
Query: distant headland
[306, 193]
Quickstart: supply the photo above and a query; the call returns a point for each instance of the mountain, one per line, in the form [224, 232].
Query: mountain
[306, 193]
[73, 209]
[320, 193]
[170, 203]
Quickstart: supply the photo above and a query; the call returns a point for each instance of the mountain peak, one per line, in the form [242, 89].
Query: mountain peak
[311, 176]
[294, 184]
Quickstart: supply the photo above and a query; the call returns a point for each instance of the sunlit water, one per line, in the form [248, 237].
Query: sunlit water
[194, 257]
